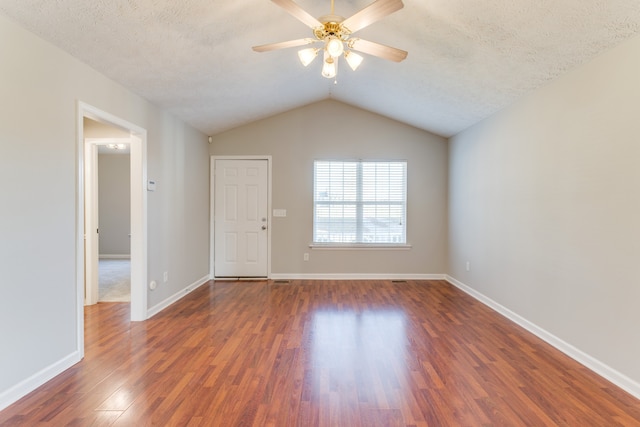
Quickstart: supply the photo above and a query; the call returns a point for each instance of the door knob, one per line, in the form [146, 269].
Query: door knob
[264, 227]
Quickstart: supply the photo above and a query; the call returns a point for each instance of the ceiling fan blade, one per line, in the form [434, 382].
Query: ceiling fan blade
[372, 13]
[283, 45]
[377, 49]
[296, 11]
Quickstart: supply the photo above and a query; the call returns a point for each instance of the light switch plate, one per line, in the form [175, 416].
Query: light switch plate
[279, 212]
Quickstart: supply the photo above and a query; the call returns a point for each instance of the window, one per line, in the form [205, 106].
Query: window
[359, 202]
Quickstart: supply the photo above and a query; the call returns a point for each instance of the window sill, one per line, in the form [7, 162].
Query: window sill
[360, 246]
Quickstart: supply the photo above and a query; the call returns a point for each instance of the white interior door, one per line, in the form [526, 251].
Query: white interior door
[241, 218]
[91, 222]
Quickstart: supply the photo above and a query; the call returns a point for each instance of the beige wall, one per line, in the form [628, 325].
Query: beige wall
[93, 129]
[40, 86]
[114, 204]
[545, 205]
[332, 130]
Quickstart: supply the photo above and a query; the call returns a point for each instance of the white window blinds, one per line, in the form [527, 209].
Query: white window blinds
[360, 202]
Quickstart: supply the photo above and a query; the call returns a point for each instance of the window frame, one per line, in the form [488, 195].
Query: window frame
[360, 203]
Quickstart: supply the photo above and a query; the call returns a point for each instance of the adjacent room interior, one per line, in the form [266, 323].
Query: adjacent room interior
[112, 195]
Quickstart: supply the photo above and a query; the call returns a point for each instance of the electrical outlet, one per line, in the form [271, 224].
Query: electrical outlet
[165, 276]
[468, 266]
[305, 256]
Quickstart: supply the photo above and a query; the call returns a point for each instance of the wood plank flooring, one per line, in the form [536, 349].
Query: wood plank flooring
[320, 353]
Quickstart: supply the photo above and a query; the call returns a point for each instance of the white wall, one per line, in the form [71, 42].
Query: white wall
[114, 203]
[333, 130]
[40, 86]
[545, 205]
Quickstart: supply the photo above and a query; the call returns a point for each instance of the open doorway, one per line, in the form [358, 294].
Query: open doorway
[114, 219]
[87, 242]
[107, 213]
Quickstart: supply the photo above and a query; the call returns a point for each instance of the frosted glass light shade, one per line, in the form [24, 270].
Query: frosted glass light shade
[334, 46]
[329, 66]
[353, 59]
[307, 55]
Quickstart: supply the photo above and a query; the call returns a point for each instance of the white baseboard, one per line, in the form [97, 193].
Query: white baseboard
[605, 371]
[114, 256]
[175, 297]
[25, 387]
[357, 276]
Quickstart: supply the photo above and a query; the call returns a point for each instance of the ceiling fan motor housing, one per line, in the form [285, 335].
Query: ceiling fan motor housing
[331, 26]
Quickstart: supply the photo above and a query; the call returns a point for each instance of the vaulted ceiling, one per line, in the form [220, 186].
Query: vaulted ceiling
[467, 58]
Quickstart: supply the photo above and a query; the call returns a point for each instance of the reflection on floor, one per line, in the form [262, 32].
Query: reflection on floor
[114, 280]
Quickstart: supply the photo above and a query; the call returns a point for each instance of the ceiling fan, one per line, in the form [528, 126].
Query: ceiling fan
[335, 32]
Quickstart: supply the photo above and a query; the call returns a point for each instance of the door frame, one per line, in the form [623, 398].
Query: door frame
[138, 164]
[212, 206]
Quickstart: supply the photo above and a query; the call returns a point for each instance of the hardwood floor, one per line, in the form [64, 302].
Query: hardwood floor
[320, 353]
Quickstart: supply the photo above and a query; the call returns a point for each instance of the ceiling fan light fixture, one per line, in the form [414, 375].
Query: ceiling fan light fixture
[334, 46]
[307, 55]
[353, 59]
[334, 32]
[329, 66]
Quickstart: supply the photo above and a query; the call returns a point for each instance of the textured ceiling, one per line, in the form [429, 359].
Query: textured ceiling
[467, 58]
